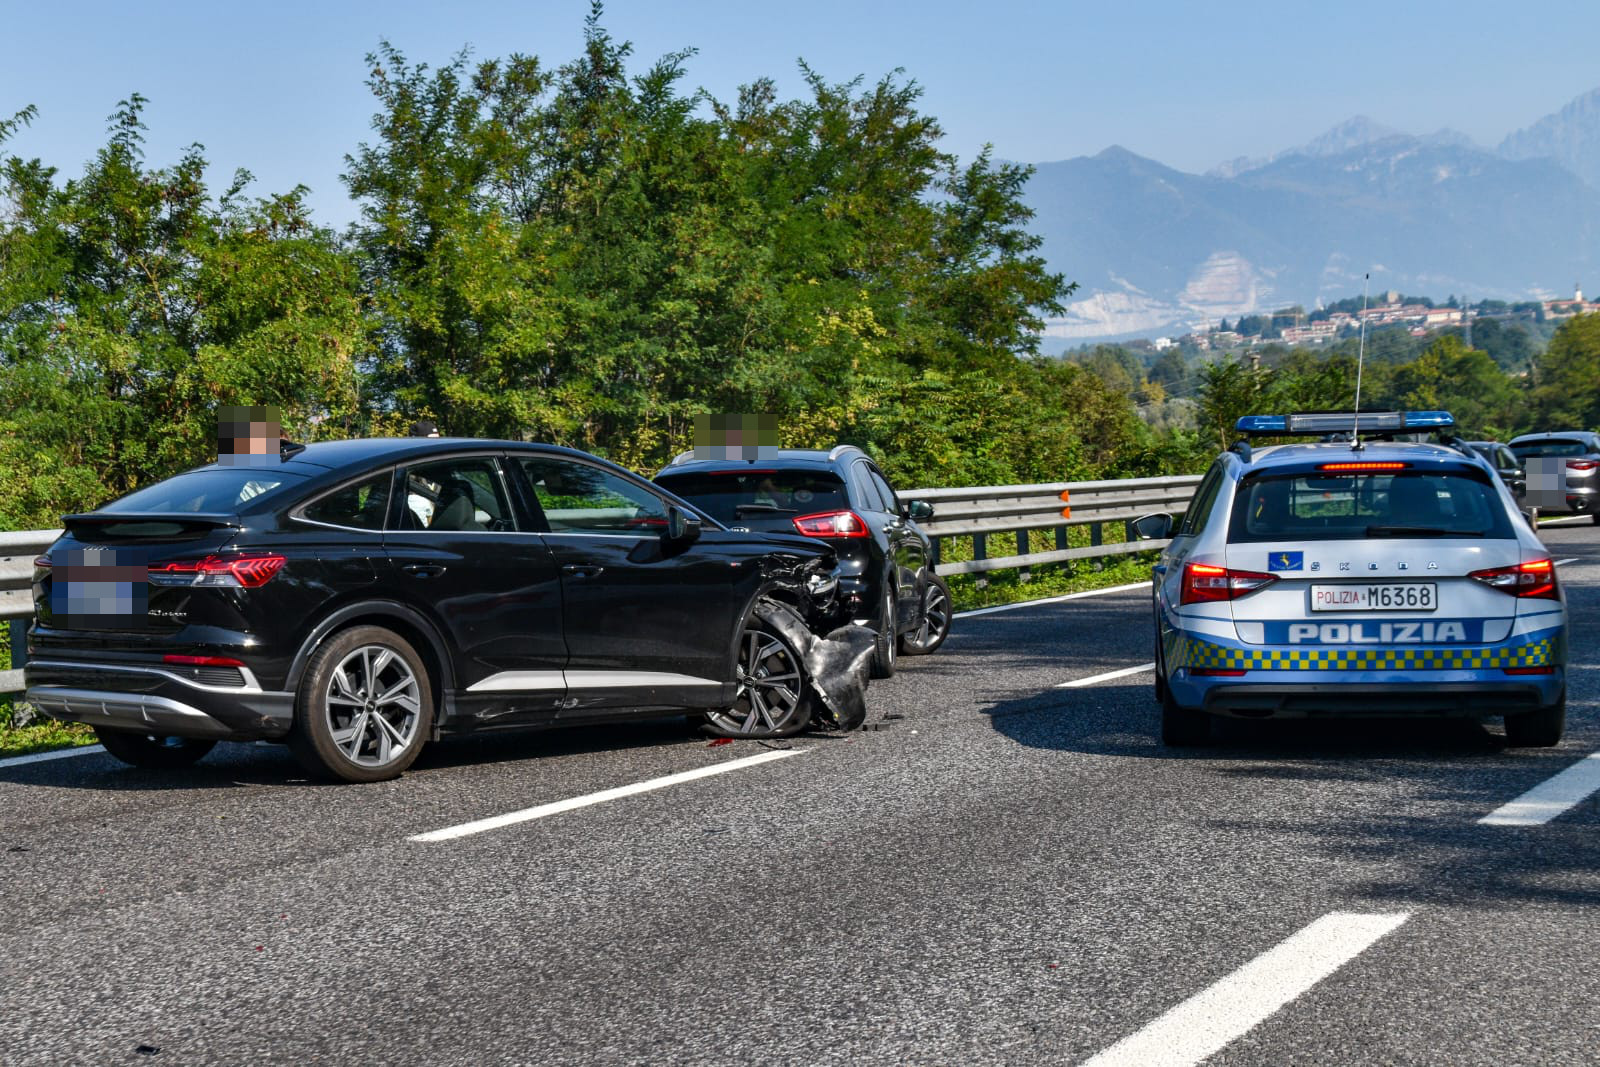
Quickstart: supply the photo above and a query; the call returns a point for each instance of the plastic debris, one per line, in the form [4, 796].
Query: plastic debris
[148, 1050]
[837, 664]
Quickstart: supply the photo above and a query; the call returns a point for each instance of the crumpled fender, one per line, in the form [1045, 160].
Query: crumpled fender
[836, 664]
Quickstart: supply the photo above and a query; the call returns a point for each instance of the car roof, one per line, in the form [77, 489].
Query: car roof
[1332, 451]
[779, 459]
[314, 459]
[1547, 435]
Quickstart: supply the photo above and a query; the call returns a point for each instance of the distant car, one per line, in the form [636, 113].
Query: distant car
[356, 599]
[841, 497]
[1338, 579]
[1505, 464]
[1580, 449]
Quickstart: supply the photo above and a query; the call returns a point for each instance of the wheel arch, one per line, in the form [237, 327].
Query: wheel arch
[403, 620]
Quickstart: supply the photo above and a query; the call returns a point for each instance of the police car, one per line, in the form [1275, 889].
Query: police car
[1348, 576]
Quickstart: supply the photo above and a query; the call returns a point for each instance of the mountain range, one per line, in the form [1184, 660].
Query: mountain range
[1157, 250]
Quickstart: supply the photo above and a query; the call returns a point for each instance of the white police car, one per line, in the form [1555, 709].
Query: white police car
[1349, 577]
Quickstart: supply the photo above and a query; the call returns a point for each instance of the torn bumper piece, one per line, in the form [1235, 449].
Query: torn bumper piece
[836, 665]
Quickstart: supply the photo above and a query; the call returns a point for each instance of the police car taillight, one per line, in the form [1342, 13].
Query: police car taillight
[1205, 582]
[1536, 578]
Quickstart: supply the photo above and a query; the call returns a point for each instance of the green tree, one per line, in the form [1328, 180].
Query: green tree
[1566, 391]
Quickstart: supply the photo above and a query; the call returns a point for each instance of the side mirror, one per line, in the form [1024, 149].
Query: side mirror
[1157, 527]
[681, 526]
[916, 511]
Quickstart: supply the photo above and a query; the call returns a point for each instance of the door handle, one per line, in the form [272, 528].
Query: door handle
[580, 570]
[423, 570]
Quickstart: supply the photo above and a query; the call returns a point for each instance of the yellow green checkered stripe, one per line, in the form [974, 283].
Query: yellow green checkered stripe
[1196, 653]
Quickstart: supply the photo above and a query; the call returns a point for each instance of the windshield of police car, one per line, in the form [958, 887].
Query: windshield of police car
[1315, 505]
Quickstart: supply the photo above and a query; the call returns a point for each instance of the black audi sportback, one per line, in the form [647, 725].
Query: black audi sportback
[358, 598]
[840, 497]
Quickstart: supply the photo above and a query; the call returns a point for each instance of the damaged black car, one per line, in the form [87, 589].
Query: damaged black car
[355, 599]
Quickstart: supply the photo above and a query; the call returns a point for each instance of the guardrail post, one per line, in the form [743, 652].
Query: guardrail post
[1097, 538]
[933, 544]
[1024, 573]
[980, 550]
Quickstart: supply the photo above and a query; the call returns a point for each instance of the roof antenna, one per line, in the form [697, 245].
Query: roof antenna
[1361, 353]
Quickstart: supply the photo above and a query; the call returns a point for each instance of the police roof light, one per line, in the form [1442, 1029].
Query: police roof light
[1326, 422]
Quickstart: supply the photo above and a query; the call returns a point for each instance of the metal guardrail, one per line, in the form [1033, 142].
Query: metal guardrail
[1015, 511]
[982, 513]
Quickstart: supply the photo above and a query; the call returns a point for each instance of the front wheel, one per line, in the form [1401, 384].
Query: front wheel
[157, 751]
[936, 617]
[1538, 729]
[364, 708]
[773, 698]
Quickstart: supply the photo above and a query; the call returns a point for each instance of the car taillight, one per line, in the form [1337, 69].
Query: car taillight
[1536, 578]
[1581, 464]
[235, 572]
[1203, 582]
[42, 563]
[831, 524]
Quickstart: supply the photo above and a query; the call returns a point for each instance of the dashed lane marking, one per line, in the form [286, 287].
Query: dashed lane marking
[1052, 599]
[511, 818]
[1549, 798]
[1078, 683]
[1564, 562]
[1232, 1007]
[60, 753]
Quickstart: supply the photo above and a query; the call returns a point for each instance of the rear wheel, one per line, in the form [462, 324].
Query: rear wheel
[883, 653]
[773, 698]
[1595, 518]
[936, 616]
[1538, 729]
[1182, 727]
[364, 709]
[159, 751]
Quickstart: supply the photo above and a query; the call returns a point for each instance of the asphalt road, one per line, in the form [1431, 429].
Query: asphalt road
[1007, 872]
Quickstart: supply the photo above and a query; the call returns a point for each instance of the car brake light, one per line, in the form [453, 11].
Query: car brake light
[1350, 468]
[246, 572]
[202, 661]
[831, 524]
[1581, 464]
[1536, 578]
[1203, 582]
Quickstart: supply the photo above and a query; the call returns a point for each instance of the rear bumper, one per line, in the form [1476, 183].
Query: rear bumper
[1270, 698]
[144, 699]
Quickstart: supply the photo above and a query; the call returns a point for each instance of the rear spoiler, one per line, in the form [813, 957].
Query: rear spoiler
[138, 524]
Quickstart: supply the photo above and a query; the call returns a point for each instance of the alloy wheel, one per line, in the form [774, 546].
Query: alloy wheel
[770, 686]
[935, 618]
[373, 706]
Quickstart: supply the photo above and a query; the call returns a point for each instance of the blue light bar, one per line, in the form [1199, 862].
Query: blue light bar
[1330, 422]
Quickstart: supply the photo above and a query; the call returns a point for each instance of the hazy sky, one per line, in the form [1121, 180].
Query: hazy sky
[278, 88]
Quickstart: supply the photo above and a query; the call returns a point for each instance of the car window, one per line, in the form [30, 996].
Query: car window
[738, 494]
[361, 506]
[1313, 506]
[1555, 446]
[890, 501]
[206, 491]
[866, 493]
[1198, 512]
[579, 498]
[456, 495]
[1505, 459]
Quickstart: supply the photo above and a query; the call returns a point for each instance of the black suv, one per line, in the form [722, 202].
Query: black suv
[357, 598]
[842, 498]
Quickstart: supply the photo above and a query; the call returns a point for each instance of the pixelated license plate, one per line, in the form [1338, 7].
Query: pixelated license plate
[1375, 596]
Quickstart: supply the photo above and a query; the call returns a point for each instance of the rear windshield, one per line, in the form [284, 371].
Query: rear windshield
[221, 492]
[1555, 446]
[1312, 506]
[735, 495]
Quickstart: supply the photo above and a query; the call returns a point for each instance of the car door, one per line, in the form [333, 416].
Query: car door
[906, 546]
[457, 551]
[647, 622]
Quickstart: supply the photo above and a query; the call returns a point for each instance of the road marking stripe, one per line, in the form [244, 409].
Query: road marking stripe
[1549, 798]
[1079, 682]
[60, 753]
[495, 822]
[1570, 518]
[1238, 1003]
[1052, 599]
[1563, 562]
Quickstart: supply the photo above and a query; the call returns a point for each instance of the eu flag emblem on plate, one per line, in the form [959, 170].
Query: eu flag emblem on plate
[1286, 561]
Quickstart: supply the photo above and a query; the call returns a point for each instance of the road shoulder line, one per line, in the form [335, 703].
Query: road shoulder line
[57, 753]
[1094, 679]
[1550, 797]
[1051, 600]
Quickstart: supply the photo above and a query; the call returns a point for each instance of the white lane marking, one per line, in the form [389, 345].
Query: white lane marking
[1550, 797]
[1079, 682]
[1238, 1003]
[511, 818]
[1570, 518]
[1052, 599]
[1563, 562]
[60, 753]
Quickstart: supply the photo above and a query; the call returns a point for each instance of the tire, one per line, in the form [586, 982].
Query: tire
[153, 750]
[1595, 518]
[1182, 727]
[774, 695]
[936, 619]
[883, 653]
[343, 730]
[1538, 729]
